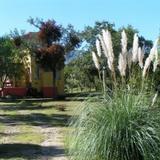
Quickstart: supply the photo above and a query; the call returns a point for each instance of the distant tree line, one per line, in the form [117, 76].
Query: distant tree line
[54, 44]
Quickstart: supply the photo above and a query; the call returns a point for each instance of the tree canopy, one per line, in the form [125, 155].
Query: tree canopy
[50, 44]
[10, 61]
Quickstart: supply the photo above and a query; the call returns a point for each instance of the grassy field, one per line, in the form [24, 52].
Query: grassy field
[25, 128]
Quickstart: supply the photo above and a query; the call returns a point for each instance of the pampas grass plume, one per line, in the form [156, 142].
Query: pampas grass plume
[153, 54]
[124, 42]
[95, 60]
[140, 57]
[103, 46]
[122, 64]
[98, 47]
[135, 48]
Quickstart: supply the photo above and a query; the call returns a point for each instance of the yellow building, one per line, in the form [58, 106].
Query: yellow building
[36, 81]
[44, 81]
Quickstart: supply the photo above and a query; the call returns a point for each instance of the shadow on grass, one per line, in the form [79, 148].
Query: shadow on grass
[81, 96]
[30, 106]
[24, 107]
[29, 151]
[7, 134]
[36, 119]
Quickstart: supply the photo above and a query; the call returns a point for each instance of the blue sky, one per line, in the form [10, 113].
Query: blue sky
[142, 14]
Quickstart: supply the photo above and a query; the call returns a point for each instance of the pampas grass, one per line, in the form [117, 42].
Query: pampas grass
[135, 48]
[98, 47]
[117, 129]
[108, 42]
[122, 125]
[105, 51]
[156, 61]
[124, 42]
[129, 58]
[126, 58]
[103, 46]
[122, 62]
[153, 55]
[140, 57]
[95, 60]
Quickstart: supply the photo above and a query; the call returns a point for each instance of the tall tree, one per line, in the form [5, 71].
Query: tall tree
[56, 41]
[81, 74]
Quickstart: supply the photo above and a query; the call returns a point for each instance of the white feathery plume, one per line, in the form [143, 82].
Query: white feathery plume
[122, 64]
[105, 51]
[129, 58]
[156, 43]
[135, 48]
[95, 60]
[108, 42]
[140, 57]
[124, 42]
[98, 47]
[155, 64]
[151, 57]
[146, 65]
[153, 50]
[103, 46]
[110, 65]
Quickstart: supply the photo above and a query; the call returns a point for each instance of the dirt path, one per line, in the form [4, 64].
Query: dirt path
[9, 131]
[52, 148]
[53, 145]
[28, 132]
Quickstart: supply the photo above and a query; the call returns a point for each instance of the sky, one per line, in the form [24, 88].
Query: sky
[143, 15]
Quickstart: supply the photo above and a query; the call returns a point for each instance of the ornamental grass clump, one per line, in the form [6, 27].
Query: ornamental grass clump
[123, 124]
[120, 128]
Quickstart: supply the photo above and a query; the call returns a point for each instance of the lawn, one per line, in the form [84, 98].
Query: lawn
[33, 129]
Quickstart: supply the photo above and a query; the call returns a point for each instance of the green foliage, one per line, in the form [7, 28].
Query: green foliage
[70, 38]
[89, 33]
[119, 128]
[80, 73]
[10, 60]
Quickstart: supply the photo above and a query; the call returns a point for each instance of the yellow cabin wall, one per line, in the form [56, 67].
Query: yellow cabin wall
[35, 80]
[46, 79]
[43, 79]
